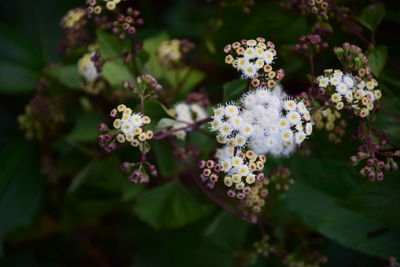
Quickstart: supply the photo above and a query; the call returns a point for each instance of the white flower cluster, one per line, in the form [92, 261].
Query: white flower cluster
[250, 56]
[186, 114]
[87, 69]
[130, 126]
[360, 95]
[265, 121]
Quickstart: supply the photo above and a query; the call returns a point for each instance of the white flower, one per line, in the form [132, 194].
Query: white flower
[226, 165]
[309, 128]
[218, 112]
[301, 107]
[225, 129]
[323, 82]
[236, 161]
[242, 63]
[236, 122]
[290, 105]
[299, 137]
[87, 68]
[246, 130]
[239, 140]
[293, 117]
[268, 57]
[334, 80]
[249, 71]
[283, 123]
[231, 110]
[136, 120]
[249, 53]
[348, 80]
[287, 135]
[243, 170]
[341, 88]
[249, 100]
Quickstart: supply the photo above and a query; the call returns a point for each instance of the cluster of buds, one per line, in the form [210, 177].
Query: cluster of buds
[75, 35]
[376, 157]
[310, 259]
[129, 127]
[139, 174]
[353, 59]
[125, 24]
[264, 248]
[310, 44]
[254, 202]
[145, 84]
[75, 18]
[199, 98]
[40, 118]
[253, 58]
[350, 91]
[172, 53]
[319, 8]
[392, 262]
[125, 21]
[330, 120]
[210, 172]
[239, 171]
[281, 178]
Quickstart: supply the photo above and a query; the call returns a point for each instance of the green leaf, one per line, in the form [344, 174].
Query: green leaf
[221, 229]
[378, 201]
[85, 129]
[377, 59]
[19, 64]
[166, 164]
[187, 78]
[320, 211]
[66, 75]
[15, 78]
[21, 187]
[234, 89]
[116, 72]
[318, 205]
[150, 45]
[372, 16]
[81, 176]
[386, 122]
[169, 206]
[110, 45]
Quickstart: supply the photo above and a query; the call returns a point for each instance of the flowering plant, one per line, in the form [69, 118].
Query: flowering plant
[245, 133]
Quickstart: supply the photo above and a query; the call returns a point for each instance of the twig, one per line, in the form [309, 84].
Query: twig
[164, 134]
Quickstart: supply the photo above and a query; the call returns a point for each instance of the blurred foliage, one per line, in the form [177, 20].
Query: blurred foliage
[64, 202]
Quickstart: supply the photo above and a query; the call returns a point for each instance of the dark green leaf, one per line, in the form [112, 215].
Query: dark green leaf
[234, 89]
[85, 129]
[378, 201]
[388, 122]
[66, 75]
[21, 187]
[377, 59]
[221, 230]
[116, 72]
[321, 212]
[372, 16]
[169, 206]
